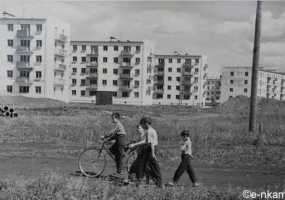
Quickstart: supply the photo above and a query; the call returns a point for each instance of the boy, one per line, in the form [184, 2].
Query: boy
[148, 164]
[186, 157]
[118, 148]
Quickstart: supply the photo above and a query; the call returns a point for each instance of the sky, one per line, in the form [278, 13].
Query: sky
[221, 30]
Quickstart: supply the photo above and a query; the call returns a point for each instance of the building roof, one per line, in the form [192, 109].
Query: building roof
[263, 69]
[177, 55]
[118, 42]
[21, 19]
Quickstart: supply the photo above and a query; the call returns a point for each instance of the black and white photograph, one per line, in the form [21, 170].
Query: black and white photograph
[142, 100]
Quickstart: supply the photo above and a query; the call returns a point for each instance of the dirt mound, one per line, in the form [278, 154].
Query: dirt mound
[26, 102]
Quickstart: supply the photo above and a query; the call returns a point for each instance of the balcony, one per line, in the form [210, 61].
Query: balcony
[61, 38]
[60, 67]
[126, 88]
[92, 64]
[24, 34]
[92, 87]
[126, 65]
[125, 76]
[92, 54]
[158, 90]
[126, 53]
[186, 72]
[23, 80]
[23, 50]
[58, 81]
[60, 52]
[186, 82]
[205, 67]
[24, 65]
[91, 75]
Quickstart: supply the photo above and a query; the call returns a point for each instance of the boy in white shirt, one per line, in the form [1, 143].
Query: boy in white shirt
[148, 164]
[186, 157]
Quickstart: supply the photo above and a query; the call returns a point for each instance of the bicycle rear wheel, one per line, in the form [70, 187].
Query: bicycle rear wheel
[92, 162]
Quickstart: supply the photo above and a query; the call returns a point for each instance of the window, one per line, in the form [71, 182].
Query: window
[104, 82]
[196, 70]
[196, 97]
[93, 59]
[116, 59]
[169, 69]
[161, 61]
[39, 27]
[245, 90]
[115, 94]
[197, 61]
[169, 60]
[10, 27]
[93, 70]
[232, 81]
[138, 49]
[9, 88]
[137, 84]
[115, 71]
[38, 89]
[25, 58]
[245, 82]
[93, 81]
[168, 96]
[74, 48]
[177, 87]
[38, 74]
[137, 72]
[74, 70]
[178, 79]
[74, 59]
[105, 59]
[246, 73]
[83, 59]
[39, 43]
[83, 70]
[9, 73]
[73, 92]
[178, 70]
[73, 82]
[115, 82]
[83, 48]
[25, 26]
[127, 48]
[177, 96]
[105, 71]
[169, 78]
[82, 92]
[232, 73]
[24, 89]
[10, 43]
[25, 43]
[105, 48]
[169, 87]
[116, 48]
[137, 94]
[24, 74]
[38, 59]
[125, 94]
[82, 82]
[138, 60]
[178, 60]
[10, 58]
[231, 89]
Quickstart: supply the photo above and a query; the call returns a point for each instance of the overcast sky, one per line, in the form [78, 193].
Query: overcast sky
[221, 30]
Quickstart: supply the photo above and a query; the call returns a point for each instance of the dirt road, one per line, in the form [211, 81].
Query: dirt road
[244, 178]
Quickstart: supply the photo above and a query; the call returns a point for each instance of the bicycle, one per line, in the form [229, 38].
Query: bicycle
[93, 160]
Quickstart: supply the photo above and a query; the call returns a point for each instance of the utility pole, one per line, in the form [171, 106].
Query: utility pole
[255, 64]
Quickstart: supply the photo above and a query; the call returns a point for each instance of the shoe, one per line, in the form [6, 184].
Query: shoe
[170, 184]
[196, 184]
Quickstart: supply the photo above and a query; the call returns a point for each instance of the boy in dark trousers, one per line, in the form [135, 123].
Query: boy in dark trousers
[185, 164]
[118, 148]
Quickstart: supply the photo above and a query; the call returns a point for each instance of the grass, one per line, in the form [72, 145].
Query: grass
[56, 187]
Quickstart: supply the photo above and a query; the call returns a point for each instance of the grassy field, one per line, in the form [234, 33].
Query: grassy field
[52, 129]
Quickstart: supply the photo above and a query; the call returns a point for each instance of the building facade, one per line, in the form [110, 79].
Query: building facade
[236, 80]
[213, 91]
[34, 57]
[179, 79]
[116, 66]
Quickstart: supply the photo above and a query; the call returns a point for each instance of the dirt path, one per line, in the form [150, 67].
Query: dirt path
[244, 178]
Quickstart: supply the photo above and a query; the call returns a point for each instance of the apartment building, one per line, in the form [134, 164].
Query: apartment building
[117, 66]
[213, 91]
[34, 57]
[236, 80]
[179, 79]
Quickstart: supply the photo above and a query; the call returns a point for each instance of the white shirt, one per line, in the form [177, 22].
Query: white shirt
[152, 136]
[186, 147]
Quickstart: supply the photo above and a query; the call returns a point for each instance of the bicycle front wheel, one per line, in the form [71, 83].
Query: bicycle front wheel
[92, 162]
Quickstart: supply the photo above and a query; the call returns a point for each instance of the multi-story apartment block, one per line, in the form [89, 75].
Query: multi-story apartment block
[213, 91]
[34, 57]
[119, 67]
[237, 81]
[179, 79]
